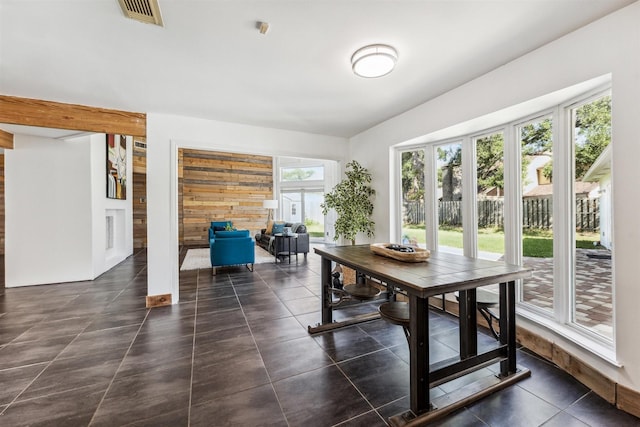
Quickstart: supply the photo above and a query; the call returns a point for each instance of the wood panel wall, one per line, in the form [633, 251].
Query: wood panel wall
[139, 195]
[2, 204]
[220, 186]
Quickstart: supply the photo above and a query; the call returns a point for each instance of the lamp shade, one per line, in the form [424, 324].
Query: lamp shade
[270, 204]
[375, 60]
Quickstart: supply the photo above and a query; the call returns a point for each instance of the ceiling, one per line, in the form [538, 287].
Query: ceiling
[210, 61]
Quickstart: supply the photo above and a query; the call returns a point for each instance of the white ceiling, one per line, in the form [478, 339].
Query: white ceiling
[210, 61]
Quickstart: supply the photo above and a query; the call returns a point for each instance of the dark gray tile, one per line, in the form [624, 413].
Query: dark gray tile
[297, 356]
[597, 412]
[303, 305]
[550, 383]
[385, 333]
[319, 398]
[208, 322]
[69, 374]
[212, 381]
[15, 380]
[116, 320]
[111, 341]
[347, 343]
[369, 419]
[20, 354]
[293, 293]
[564, 420]
[254, 407]
[175, 418]
[217, 346]
[149, 353]
[528, 409]
[56, 328]
[140, 397]
[381, 377]
[69, 409]
[462, 417]
[278, 331]
[217, 304]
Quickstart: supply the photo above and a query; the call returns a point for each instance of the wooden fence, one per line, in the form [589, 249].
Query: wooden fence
[536, 213]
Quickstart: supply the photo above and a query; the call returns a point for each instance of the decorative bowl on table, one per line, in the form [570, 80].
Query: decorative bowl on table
[405, 253]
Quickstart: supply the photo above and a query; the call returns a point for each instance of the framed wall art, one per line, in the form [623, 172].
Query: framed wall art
[116, 166]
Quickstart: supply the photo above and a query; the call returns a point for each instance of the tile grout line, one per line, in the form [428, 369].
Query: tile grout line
[193, 347]
[119, 367]
[255, 343]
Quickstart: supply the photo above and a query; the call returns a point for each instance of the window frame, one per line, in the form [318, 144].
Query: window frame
[559, 320]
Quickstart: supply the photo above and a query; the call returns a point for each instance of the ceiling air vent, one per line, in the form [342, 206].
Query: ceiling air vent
[147, 11]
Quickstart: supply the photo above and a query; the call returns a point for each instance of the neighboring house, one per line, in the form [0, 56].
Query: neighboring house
[600, 174]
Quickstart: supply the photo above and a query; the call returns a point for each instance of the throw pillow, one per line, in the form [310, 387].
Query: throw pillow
[278, 228]
[269, 227]
[218, 228]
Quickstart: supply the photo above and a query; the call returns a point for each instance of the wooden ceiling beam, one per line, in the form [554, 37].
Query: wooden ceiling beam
[6, 139]
[57, 115]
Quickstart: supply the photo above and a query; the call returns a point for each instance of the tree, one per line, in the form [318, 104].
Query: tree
[592, 133]
[351, 199]
[490, 162]
[413, 175]
[297, 175]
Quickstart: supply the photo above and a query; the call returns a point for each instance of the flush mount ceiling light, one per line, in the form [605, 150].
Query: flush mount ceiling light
[375, 60]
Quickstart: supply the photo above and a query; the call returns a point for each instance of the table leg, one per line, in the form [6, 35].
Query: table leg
[419, 355]
[325, 277]
[508, 326]
[468, 324]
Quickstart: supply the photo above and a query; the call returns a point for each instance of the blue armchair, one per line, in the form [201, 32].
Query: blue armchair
[231, 248]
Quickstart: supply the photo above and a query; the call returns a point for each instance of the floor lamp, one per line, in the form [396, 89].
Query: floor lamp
[271, 205]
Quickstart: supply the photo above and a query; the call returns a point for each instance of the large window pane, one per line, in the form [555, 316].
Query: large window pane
[449, 193]
[413, 214]
[537, 224]
[490, 195]
[592, 303]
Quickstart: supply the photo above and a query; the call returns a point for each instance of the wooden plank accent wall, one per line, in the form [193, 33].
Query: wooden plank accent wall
[139, 195]
[180, 198]
[2, 207]
[223, 186]
[6, 139]
[35, 112]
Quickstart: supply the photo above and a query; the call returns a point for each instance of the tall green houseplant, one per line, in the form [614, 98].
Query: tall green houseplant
[352, 201]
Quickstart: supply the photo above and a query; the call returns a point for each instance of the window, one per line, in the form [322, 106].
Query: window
[592, 285]
[538, 191]
[413, 206]
[536, 159]
[449, 196]
[490, 195]
[302, 191]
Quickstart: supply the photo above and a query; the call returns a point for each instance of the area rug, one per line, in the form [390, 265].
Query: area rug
[200, 258]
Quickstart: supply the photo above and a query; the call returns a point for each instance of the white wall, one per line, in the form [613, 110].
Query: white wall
[610, 45]
[167, 133]
[101, 206]
[55, 211]
[48, 217]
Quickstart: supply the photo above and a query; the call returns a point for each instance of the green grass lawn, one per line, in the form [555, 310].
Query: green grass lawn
[535, 243]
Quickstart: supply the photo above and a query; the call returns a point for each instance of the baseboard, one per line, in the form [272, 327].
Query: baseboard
[628, 400]
[158, 300]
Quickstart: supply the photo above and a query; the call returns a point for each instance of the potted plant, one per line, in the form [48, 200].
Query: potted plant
[351, 199]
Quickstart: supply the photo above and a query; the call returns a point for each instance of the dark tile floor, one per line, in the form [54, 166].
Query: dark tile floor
[235, 352]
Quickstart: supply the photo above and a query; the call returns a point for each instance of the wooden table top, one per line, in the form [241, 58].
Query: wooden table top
[441, 273]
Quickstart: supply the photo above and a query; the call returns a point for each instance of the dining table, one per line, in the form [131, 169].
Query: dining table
[439, 274]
